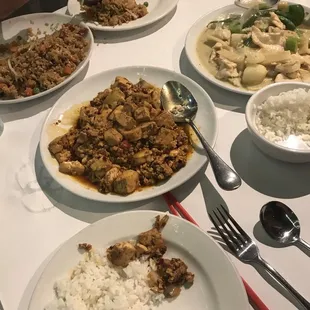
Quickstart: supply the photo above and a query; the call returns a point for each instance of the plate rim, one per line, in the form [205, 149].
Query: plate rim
[177, 218]
[67, 80]
[119, 28]
[122, 199]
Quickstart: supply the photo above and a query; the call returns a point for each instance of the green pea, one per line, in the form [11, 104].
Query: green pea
[36, 90]
[146, 4]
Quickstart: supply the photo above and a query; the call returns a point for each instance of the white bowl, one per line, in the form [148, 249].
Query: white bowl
[272, 149]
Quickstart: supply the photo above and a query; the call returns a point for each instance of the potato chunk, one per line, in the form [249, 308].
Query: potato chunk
[254, 75]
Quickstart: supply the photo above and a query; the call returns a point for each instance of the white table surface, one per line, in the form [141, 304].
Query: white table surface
[37, 215]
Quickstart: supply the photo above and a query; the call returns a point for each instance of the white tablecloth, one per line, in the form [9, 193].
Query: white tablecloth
[37, 215]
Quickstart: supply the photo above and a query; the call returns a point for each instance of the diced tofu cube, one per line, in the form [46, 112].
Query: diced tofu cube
[142, 114]
[113, 137]
[165, 119]
[148, 129]
[72, 168]
[126, 183]
[124, 119]
[133, 134]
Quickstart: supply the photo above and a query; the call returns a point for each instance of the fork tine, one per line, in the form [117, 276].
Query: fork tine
[223, 236]
[232, 229]
[242, 232]
[227, 231]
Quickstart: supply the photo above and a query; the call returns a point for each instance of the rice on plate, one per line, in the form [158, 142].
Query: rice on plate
[129, 275]
[96, 284]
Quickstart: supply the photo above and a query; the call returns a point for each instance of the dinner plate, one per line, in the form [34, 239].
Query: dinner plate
[41, 24]
[217, 284]
[191, 45]
[86, 90]
[157, 9]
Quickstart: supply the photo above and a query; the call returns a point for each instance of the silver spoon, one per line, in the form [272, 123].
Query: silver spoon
[248, 4]
[281, 224]
[178, 100]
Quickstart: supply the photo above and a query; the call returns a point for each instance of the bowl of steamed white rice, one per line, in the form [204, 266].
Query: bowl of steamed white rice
[278, 119]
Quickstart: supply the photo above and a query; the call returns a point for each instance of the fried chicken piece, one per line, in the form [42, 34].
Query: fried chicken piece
[121, 254]
[153, 240]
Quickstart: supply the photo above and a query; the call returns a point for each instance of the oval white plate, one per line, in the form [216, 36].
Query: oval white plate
[86, 90]
[157, 9]
[191, 45]
[217, 284]
[41, 21]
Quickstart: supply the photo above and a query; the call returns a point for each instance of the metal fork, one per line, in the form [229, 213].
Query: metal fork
[244, 248]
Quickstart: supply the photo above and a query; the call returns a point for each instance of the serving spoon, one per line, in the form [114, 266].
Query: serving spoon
[179, 101]
[247, 4]
[281, 224]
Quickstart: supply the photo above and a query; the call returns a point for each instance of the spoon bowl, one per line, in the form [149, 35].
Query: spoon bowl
[180, 102]
[281, 223]
[177, 99]
[243, 4]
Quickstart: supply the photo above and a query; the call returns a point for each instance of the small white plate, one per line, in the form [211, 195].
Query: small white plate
[45, 23]
[86, 90]
[217, 284]
[157, 9]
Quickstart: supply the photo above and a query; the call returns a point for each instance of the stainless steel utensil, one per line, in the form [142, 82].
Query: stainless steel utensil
[244, 248]
[248, 4]
[178, 100]
[281, 224]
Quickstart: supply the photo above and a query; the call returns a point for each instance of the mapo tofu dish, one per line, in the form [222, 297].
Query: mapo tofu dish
[123, 140]
[259, 47]
[113, 12]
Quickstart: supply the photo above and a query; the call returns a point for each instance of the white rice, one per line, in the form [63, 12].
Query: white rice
[285, 116]
[97, 285]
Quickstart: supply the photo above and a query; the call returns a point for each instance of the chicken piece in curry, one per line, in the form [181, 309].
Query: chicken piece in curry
[169, 275]
[123, 140]
[259, 47]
